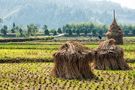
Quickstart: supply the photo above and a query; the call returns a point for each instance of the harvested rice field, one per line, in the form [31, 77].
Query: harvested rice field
[27, 66]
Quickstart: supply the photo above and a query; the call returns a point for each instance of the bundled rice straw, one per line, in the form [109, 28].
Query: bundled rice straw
[72, 62]
[110, 56]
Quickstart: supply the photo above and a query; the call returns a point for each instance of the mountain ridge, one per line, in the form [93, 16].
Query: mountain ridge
[60, 12]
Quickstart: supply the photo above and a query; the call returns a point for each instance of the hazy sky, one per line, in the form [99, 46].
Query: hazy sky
[126, 3]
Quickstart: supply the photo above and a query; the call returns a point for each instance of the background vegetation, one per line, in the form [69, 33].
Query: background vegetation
[72, 30]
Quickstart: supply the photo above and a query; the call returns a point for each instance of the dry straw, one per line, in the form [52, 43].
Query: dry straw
[72, 61]
[115, 32]
[110, 56]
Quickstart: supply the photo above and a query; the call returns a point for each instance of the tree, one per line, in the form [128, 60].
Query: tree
[73, 30]
[13, 30]
[32, 30]
[59, 30]
[70, 32]
[104, 27]
[92, 26]
[54, 32]
[4, 30]
[67, 29]
[100, 33]
[29, 32]
[133, 30]
[94, 32]
[35, 30]
[21, 32]
[78, 32]
[126, 32]
[85, 32]
[46, 31]
[14, 25]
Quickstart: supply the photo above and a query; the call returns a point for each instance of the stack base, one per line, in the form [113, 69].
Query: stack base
[110, 60]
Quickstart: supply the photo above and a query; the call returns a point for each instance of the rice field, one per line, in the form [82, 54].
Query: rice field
[36, 76]
[36, 63]
[43, 51]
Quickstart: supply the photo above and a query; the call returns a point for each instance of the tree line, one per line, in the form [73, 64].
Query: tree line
[82, 29]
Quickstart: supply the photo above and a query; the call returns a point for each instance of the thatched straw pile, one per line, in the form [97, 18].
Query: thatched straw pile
[72, 62]
[110, 56]
[115, 32]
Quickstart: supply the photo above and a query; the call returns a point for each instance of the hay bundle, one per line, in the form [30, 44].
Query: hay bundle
[72, 62]
[110, 56]
[115, 32]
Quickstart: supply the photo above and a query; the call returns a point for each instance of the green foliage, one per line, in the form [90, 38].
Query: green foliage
[70, 32]
[81, 29]
[32, 30]
[46, 31]
[13, 30]
[132, 74]
[4, 30]
[78, 32]
[94, 29]
[129, 30]
[59, 30]
[55, 33]
[84, 29]
[21, 32]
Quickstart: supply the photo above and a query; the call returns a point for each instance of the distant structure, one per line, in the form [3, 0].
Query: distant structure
[115, 32]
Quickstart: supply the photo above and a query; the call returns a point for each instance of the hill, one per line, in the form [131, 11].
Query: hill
[56, 13]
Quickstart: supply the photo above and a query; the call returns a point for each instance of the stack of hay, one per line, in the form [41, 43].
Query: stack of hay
[110, 56]
[72, 62]
[115, 32]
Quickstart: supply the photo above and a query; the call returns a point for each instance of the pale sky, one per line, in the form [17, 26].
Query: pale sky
[126, 3]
